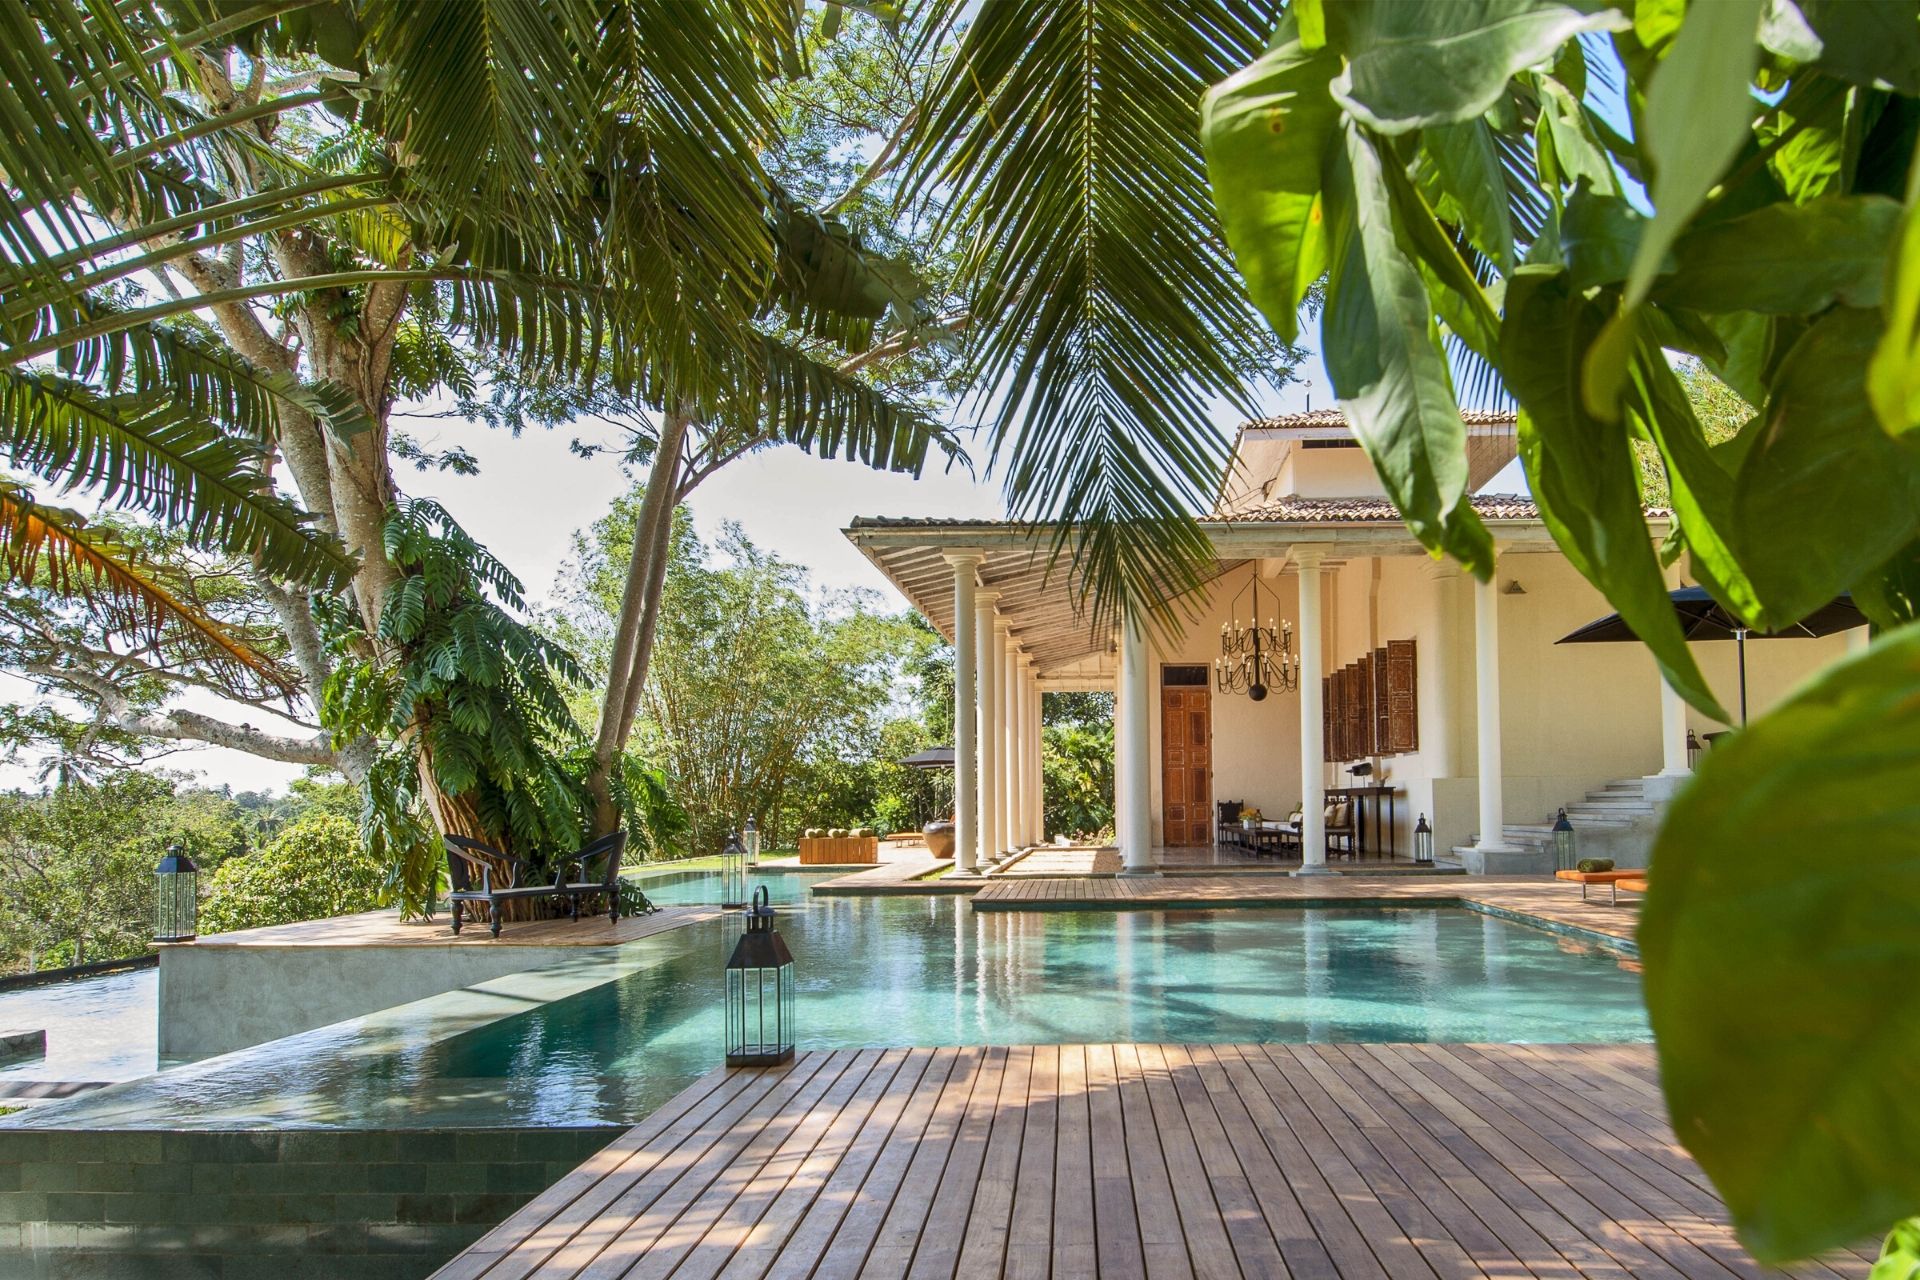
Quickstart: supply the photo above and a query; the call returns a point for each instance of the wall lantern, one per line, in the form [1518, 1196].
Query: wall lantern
[753, 843]
[176, 914]
[1566, 843]
[760, 992]
[1693, 750]
[1422, 841]
[733, 873]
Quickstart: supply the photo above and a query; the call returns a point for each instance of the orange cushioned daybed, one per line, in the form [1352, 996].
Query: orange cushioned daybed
[1614, 880]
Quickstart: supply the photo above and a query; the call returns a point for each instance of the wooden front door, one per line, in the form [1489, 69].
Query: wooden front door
[1186, 756]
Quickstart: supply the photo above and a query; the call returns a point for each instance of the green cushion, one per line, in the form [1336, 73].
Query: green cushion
[1594, 864]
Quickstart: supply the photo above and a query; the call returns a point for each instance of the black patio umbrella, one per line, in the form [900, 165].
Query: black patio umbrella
[1703, 618]
[931, 758]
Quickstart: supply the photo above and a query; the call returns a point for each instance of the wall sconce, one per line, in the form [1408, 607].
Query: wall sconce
[1514, 588]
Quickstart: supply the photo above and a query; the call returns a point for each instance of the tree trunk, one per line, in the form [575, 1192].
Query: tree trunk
[649, 624]
[656, 513]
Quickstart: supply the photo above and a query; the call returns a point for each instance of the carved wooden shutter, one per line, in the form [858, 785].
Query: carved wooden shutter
[1377, 704]
[1403, 707]
[1329, 716]
[1356, 712]
[1363, 706]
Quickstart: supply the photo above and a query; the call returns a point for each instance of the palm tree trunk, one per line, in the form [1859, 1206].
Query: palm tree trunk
[639, 597]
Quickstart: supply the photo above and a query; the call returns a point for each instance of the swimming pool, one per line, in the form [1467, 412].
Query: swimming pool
[609, 1036]
[691, 888]
[930, 971]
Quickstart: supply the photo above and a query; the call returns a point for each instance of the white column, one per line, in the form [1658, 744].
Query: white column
[1131, 772]
[987, 664]
[966, 777]
[1673, 731]
[1036, 777]
[1008, 747]
[1022, 836]
[1486, 689]
[1313, 745]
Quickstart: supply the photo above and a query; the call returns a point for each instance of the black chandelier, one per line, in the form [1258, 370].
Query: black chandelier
[1256, 658]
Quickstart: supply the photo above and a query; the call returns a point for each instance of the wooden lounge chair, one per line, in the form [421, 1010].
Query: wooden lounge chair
[499, 877]
[1611, 879]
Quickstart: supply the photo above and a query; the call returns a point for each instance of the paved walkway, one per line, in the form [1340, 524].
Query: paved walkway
[1300, 1162]
[1538, 900]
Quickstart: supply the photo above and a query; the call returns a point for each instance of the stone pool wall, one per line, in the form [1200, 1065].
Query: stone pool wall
[285, 1204]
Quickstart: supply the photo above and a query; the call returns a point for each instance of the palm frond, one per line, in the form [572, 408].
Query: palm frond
[1101, 302]
[202, 375]
[489, 96]
[52, 549]
[144, 450]
[804, 400]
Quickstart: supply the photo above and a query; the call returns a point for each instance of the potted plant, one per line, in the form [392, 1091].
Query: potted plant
[1249, 818]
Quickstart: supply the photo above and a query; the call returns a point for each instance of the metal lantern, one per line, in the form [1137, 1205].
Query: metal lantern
[1566, 843]
[760, 992]
[1693, 750]
[753, 842]
[733, 874]
[176, 913]
[1422, 840]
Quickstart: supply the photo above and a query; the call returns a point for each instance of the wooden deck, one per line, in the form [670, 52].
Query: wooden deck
[1535, 899]
[385, 929]
[1309, 1162]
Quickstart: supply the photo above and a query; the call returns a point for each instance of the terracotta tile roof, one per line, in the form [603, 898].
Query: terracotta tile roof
[1334, 418]
[1491, 506]
[1295, 510]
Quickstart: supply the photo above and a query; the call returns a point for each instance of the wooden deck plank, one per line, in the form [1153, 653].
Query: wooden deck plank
[1398, 1254]
[1116, 1222]
[1074, 1238]
[1202, 1221]
[785, 1236]
[1135, 1162]
[644, 1211]
[557, 1244]
[1249, 1241]
[1163, 1242]
[915, 1137]
[936, 1251]
[759, 1220]
[1306, 1257]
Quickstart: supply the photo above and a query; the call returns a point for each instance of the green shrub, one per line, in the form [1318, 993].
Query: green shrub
[313, 869]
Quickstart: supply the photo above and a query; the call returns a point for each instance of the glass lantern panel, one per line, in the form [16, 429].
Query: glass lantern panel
[760, 1008]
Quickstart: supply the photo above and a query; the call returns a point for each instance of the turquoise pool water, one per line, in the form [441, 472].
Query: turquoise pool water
[607, 1036]
[690, 888]
[931, 971]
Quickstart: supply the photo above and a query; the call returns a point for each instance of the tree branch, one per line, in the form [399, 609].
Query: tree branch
[191, 726]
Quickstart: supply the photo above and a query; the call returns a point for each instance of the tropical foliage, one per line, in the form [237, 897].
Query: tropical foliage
[234, 237]
[762, 700]
[314, 868]
[1576, 200]
[76, 863]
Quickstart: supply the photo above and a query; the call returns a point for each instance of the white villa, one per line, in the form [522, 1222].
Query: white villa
[1451, 693]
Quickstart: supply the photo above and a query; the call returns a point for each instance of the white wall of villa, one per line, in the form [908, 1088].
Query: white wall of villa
[1572, 717]
[1300, 498]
